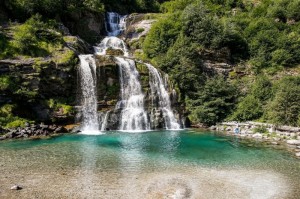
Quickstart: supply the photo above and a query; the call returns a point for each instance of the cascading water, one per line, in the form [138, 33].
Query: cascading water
[133, 116]
[158, 87]
[115, 23]
[104, 123]
[87, 72]
[111, 43]
[131, 106]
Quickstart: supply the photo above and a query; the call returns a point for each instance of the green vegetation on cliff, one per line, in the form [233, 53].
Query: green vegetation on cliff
[260, 40]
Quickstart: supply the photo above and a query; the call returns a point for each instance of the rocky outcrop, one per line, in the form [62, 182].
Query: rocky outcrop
[43, 89]
[88, 25]
[33, 130]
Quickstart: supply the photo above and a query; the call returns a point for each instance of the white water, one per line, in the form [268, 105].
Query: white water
[88, 84]
[111, 42]
[133, 116]
[115, 23]
[158, 87]
[104, 123]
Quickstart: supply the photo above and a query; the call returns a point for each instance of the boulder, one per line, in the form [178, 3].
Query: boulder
[293, 142]
[298, 154]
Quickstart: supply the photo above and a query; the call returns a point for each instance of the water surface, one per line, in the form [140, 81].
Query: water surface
[153, 163]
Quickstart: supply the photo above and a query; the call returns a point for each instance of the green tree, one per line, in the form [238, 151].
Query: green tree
[285, 108]
[214, 102]
[162, 36]
[250, 108]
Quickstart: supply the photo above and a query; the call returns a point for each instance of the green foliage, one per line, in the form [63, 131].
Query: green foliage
[94, 5]
[262, 89]
[35, 38]
[112, 91]
[201, 27]
[250, 108]
[18, 122]
[261, 129]
[162, 35]
[285, 108]
[140, 30]
[214, 102]
[60, 105]
[8, 119]
[7, 83]
[175, 6]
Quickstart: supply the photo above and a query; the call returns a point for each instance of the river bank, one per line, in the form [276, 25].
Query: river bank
[287, 136]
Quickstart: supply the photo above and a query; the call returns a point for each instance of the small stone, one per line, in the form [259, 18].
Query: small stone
[274, 143]
[298, 154]
[298, 147]
[16, 187]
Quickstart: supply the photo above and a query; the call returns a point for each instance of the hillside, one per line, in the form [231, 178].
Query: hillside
[230, 59]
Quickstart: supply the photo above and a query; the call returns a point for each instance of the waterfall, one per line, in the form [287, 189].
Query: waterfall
[104, 123]
[115, 23]
[158, 87]
[133, 116]
[87, 72]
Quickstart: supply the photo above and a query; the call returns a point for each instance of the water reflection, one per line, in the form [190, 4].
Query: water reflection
[86, 174]
[133, 152]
